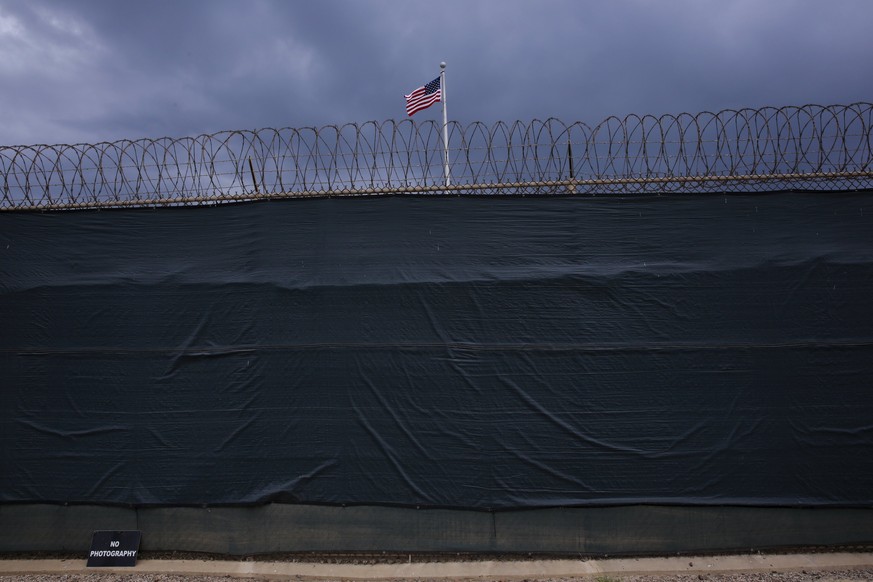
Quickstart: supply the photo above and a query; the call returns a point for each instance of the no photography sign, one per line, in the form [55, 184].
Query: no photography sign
[114, 549]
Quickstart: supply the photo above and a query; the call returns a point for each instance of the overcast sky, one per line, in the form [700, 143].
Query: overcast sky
[95, 70]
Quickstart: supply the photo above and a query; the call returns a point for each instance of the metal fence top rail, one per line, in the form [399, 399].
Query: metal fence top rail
[748, 150]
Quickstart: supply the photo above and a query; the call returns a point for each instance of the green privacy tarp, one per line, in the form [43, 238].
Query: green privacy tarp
[454, 352]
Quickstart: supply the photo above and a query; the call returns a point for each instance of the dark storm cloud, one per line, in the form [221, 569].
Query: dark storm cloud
[103, 70]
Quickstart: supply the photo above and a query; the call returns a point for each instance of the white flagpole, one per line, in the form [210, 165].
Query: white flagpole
[445, 121]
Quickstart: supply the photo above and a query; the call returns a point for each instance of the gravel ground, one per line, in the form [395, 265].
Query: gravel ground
[793, 576]
[802, 576]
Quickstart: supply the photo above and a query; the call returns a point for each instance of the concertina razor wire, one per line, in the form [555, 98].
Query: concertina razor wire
[748, 150]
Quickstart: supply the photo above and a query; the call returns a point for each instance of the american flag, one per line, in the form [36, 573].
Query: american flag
[423, 97]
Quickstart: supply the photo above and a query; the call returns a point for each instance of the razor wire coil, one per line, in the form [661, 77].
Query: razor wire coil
[747, 150]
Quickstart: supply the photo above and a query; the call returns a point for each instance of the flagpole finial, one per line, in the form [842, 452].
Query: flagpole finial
[443, 65]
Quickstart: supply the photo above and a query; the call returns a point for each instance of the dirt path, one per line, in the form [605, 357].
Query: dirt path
[797, 567]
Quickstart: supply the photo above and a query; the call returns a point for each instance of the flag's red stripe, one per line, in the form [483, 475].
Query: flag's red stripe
[415, 103]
